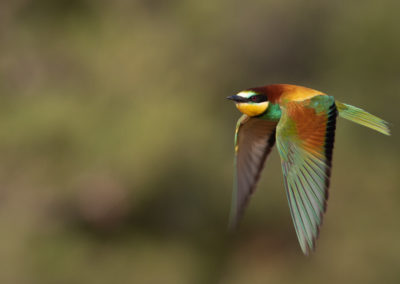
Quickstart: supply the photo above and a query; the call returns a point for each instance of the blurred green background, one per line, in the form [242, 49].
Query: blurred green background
[117, 141]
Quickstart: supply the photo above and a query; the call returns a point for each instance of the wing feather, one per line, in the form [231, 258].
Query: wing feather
[254, 140]
[305, 138]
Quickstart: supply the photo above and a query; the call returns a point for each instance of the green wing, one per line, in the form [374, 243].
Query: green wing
[305, 137]
[254, 139]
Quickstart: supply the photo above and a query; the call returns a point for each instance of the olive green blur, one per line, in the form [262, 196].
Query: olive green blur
[116, 149]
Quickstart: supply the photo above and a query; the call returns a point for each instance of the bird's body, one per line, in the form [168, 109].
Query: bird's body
[302, 121]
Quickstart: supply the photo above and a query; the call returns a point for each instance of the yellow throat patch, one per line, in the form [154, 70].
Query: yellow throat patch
[252, 109]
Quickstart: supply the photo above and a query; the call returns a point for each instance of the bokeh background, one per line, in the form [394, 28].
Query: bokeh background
[117, 142]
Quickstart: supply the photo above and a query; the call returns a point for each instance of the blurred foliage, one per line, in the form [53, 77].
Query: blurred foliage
[116, 140]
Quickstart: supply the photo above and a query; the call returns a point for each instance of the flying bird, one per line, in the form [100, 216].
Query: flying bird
[302, 122]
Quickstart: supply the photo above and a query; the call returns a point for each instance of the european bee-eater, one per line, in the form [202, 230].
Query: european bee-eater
[303, 122]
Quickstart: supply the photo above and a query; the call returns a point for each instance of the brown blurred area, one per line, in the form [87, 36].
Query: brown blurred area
[117, 142]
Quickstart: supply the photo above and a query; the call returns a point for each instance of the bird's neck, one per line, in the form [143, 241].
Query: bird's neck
[273, 112]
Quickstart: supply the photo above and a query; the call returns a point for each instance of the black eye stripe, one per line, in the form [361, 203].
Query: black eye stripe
[258, 98]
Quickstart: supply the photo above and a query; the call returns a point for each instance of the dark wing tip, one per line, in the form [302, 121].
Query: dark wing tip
[329, 145]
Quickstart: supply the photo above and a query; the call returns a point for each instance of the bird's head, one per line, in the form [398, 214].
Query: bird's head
[250, 102]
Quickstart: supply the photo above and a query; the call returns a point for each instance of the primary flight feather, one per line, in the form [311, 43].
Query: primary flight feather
[302, 122]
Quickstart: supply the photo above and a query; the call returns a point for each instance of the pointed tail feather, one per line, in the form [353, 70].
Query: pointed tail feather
[362, 117]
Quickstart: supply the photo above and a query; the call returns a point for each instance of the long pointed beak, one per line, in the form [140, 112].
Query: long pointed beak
[237, 99]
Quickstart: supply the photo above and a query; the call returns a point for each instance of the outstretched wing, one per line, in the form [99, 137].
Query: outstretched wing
[305, 138]
[254, 139]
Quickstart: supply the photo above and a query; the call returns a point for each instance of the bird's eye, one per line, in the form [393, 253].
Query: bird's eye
[254, 99]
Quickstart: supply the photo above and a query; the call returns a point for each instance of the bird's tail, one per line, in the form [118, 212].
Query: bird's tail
[362, 117]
